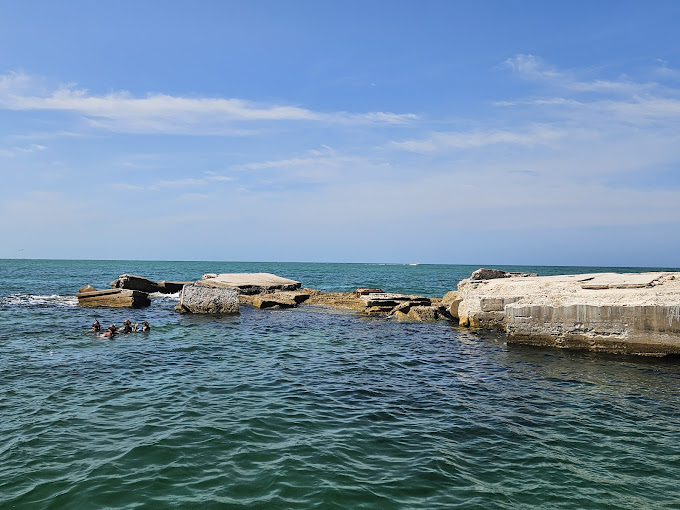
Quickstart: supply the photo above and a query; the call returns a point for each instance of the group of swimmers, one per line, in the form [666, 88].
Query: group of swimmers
[112, 330]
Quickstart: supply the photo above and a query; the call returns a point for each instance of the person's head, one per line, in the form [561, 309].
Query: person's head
[145, 325]
[112, 327]
[95, 325]
[127, 322]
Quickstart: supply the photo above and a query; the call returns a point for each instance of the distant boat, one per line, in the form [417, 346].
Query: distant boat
[414, 264]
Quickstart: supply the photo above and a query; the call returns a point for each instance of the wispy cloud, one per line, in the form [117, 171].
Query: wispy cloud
[450, 141]
[207, 178]
[122, 111]
[34, 147]
[533, 68]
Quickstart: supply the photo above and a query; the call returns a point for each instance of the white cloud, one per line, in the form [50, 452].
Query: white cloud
[206, 179]
[531, 67]
[34, 147]
[448, 141]
[121, 111]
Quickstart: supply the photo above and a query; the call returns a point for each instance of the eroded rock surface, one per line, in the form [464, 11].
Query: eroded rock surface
[199, 299]
[112, 298]
[249, 283]
[134, 282]
[636, 313]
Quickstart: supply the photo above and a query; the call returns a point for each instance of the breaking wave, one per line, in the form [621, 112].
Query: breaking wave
[31, 300]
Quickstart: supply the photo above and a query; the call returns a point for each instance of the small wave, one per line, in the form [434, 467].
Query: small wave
[38, 300]
[164, 297]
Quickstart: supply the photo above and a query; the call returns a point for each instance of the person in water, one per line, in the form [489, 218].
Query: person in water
[127, 327]
[145, 327]
[96, 327]
[110, 333]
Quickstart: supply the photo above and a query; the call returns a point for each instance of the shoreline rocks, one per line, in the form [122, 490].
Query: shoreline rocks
[636, 313]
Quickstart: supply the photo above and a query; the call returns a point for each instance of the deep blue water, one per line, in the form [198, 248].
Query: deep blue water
[314, 408]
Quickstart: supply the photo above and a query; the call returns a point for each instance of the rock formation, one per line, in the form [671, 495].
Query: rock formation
[248, 283]
[116, 298]
[134, 282]
[200, 299]
[623, 313]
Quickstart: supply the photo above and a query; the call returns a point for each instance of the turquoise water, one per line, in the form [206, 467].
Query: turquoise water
[311, 408]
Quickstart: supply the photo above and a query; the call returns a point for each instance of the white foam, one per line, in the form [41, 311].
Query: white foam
[158, 296]
[38, 300]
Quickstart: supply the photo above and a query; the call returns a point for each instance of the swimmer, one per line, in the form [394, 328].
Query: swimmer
[96, 327]
[110, 333]
[127, 327]
[145, 327]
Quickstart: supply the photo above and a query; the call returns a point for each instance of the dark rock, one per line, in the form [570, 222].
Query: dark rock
[487, 274]
[366, 291]
[134, 282]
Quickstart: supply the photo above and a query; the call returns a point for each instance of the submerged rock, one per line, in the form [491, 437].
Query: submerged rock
[199, 299]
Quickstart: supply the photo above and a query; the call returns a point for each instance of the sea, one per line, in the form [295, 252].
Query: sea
[315, 407]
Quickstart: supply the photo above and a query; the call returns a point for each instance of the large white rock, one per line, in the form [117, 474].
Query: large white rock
[199, 299]
[249, 283]
[636, 313]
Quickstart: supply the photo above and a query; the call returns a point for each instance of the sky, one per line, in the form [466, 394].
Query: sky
[457, 132]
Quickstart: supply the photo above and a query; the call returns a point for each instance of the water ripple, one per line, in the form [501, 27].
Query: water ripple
[296, 409]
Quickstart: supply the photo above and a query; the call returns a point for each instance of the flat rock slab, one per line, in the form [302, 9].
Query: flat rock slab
[249, 283]
[114, 298]
[622, 281]
[390, 299]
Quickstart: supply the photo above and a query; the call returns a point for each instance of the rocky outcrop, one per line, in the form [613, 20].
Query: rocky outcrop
[248, 283]
[418, 314]
[112, 298]
[621, 313]
[274, 300]
[199, 299]
[484, 273]
[364, 291]
[134, 282]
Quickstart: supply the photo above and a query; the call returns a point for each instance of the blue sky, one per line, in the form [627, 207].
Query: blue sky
[434, 132]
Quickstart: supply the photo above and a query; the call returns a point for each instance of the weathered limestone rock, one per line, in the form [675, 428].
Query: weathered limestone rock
[391, 300]
[346, 300]
[115, 298]
[199, 299]
[134, 282]
[484, 273]
[365, 291]
[622, 313]
[248, 283]
[282, 299]
[274, 300]
[450, 303]
[418, 314]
